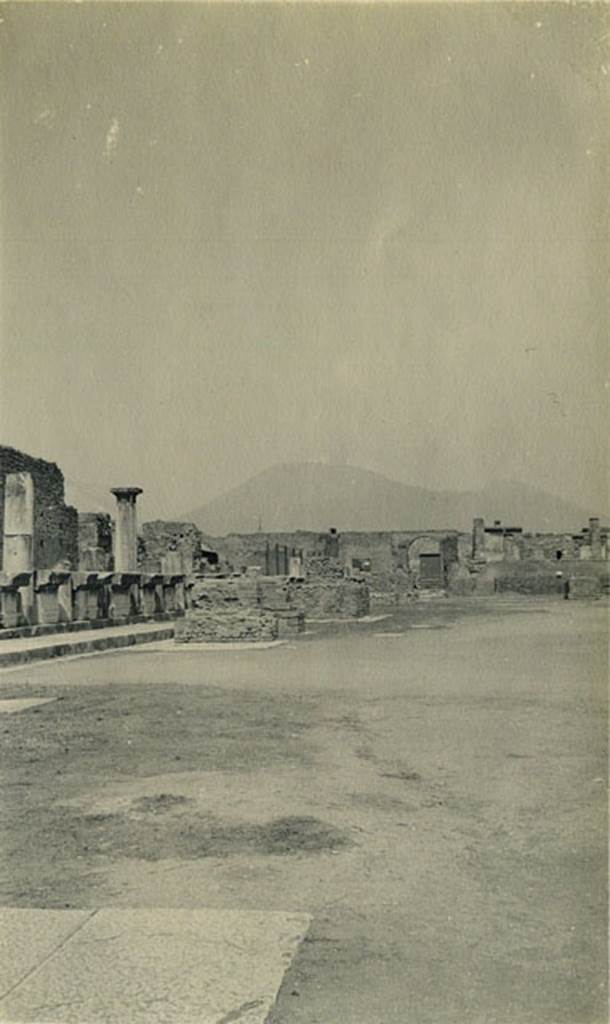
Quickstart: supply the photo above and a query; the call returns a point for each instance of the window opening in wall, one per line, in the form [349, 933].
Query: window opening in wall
[559, 555]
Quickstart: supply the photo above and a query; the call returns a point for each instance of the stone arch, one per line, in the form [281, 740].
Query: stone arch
[426, 562]
[424, 545]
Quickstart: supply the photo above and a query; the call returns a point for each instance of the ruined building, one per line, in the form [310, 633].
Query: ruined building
[55, 526]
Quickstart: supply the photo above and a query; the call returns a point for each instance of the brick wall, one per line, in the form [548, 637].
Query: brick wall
[55, 523]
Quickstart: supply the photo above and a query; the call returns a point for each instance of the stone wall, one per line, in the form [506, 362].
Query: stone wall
[585, 577]
[345, 598]
[381, 556]
[225, 610]
[177, 546]
[55, 538]
[500, 543]
[95, 541]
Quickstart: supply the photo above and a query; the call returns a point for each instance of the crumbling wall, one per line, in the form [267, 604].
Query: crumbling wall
[55, 538]
[237, 625]
[345, 598]
[544, 577]
[226, 610]
[95, 542]
[381, 556]
[182, 540]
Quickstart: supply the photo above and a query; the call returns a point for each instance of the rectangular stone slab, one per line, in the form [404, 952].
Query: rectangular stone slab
[169, 966]
[10, 705]
[28, 937]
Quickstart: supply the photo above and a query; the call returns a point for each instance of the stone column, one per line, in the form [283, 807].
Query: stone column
[478, 539]
[332, 543]
[126, 530]
[18, 538]
[595, 538]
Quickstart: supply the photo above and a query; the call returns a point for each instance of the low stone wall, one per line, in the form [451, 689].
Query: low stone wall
[253, 607]
[347, 598]
[585, 578]
[225, 610]
[235, 624]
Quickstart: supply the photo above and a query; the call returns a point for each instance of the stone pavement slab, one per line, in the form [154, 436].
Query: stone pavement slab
[11, 705]
[27, 938]
[151, 966]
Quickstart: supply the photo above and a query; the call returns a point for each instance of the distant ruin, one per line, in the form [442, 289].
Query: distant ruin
[60, 567]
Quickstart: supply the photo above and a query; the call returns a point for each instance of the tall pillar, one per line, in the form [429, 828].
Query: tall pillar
[18, 537]
[332, 543]
[478, 539]
[595, 538]
[126, 529]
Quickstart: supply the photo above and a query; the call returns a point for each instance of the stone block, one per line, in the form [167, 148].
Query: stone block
[9, 602]
[18, 553]
[125, 600]
[152, 593]
[48, 587]
[18, 504]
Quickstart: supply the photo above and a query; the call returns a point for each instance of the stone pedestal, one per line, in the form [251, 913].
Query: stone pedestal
[179, 595]
[152, 593]
[125, 595]
[9, 602]
[18, 538]
[169, 594]
[53, 597]
[17, 598]
[87, 602]
[126, 531]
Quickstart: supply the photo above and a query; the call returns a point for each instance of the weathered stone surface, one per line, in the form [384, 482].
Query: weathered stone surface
[95, 541]
[55, 530]
[174, 546]
[147, 965]
[126, 533]
[348, 598]
[200, 625]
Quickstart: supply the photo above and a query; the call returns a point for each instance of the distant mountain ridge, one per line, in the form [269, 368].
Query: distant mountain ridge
[314, 496]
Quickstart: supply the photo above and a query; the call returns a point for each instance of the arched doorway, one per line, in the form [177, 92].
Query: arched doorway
[425, 560]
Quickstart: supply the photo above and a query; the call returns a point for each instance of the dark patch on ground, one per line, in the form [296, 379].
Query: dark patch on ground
[159, 804]
[182, 836]
[138, 731]
[50, 852]
[403, 776]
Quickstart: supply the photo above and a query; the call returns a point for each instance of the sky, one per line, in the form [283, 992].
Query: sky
[234, 236]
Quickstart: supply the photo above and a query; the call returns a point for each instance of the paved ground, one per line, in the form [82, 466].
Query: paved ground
[434, 797]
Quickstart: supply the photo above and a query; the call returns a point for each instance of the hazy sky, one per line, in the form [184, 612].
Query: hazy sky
[240, 235]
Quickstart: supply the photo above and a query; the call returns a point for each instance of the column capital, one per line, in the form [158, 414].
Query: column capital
[126, 493]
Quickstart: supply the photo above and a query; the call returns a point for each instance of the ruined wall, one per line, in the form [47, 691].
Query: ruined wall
[381, 555]
[226, 610]
[502, 544]
[95, 541]
[540, 577]
[55, 537]
[162, 541]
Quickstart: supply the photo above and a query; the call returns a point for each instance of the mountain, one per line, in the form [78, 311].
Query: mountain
[315, 496]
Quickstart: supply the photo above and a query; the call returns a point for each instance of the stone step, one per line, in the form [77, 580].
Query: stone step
[23, 650]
